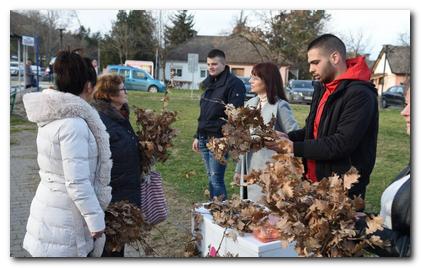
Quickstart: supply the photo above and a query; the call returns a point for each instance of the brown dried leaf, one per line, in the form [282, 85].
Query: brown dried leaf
[376, 240]
[351, 177]
[206, 193]
[358, 203]
[373, 224]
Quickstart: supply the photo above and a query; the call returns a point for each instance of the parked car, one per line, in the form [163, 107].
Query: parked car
[300, 91]
[51, 63]
[14, 68]
[137, 79]
[40, 70]
[393, 96]
[246, 81]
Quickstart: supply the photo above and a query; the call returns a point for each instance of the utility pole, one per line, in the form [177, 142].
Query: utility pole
[157, 64]
[19, 41]
[61, 38]
[37, 59]
[386, 49]
[99, 57]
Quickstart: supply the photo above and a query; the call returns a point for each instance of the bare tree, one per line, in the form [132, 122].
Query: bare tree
[284, 35]
[51, 40]
[404, 39]
[357, 43]
[120, 40]
[240, 23]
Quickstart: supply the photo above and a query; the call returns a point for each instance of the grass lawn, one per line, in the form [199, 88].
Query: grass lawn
[185, 170]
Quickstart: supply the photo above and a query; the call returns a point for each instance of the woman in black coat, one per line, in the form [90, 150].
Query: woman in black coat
[396, 208]
[110, 100]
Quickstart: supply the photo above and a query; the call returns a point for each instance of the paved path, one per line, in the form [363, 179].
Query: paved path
[24, 179]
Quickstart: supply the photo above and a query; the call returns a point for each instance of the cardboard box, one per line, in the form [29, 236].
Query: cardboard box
[244, 246]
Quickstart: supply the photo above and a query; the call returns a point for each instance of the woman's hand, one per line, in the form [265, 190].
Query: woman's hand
[236, 178]
[97, 235]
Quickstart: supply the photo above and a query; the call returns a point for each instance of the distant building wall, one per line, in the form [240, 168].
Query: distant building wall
[189, 80]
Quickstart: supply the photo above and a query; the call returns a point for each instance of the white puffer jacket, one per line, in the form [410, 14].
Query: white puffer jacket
[74, 162]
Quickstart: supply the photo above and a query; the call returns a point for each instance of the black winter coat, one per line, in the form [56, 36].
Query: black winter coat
[126, 170]
[347, 134]
[399, 236]
[223, 89]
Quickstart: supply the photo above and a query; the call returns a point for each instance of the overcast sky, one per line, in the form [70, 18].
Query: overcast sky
[377, 26]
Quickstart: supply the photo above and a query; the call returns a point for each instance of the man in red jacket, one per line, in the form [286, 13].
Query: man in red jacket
[341, 128]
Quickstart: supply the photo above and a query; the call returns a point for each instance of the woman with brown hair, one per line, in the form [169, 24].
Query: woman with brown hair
[266, 82]
[110, 100]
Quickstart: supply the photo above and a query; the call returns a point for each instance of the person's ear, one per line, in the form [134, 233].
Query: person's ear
[335, 58]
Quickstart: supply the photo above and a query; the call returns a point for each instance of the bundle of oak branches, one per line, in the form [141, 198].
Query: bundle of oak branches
[155, 134]
[244, 130]
[126, 225]
[319, 217]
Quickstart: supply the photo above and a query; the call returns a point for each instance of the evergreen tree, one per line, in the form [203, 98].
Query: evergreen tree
[142, 27]
[182, 29]
[132, 35]
[292, 31]
[119, 36]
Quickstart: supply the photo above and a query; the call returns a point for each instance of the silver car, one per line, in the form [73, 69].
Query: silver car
[246, 81]
[300, 91]
[14, 68]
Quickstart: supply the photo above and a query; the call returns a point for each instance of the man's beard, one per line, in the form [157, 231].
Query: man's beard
[330, 75]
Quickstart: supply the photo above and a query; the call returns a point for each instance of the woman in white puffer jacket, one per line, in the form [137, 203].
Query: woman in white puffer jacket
[74, 158]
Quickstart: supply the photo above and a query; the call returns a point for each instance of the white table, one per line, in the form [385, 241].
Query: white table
[244, 246]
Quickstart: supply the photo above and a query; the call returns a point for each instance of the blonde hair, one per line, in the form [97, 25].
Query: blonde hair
[107, 86]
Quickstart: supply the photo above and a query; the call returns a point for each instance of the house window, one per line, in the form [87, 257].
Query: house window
[238, 71]
[203, 73]
[177, 71]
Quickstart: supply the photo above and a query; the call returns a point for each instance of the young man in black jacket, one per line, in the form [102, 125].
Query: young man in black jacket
[341, 128]
[222, 88]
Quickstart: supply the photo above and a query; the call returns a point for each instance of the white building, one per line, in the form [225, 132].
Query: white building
[240, 54]
[392, 67]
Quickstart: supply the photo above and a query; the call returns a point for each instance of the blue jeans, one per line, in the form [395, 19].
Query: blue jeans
[215, 170]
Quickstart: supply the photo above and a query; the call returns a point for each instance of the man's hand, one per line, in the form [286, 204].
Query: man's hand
[195, 145]
[281, 145]
[282, 135]
[97, 235]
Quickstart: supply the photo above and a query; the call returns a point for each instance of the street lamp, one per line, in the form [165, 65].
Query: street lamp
[61, 37]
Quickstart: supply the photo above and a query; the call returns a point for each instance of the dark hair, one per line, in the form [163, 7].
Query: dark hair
[72, 72]
[216, 53]
[108, 86]
[92, 77]
[329, 43]
[269, 73]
